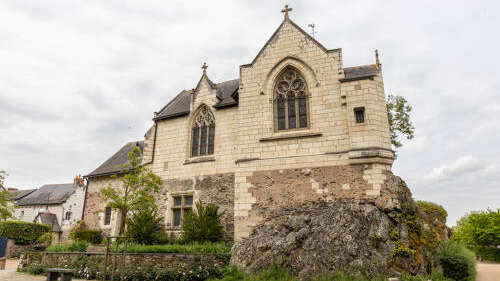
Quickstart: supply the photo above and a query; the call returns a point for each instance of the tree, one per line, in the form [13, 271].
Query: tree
[479, 229]
[6, 205]
[138, 188]
[400, 125]
[203, 224]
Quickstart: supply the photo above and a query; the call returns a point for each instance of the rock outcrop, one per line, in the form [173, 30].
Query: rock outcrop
[381, 236]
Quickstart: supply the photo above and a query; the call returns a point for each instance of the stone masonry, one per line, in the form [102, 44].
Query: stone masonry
[256, 169]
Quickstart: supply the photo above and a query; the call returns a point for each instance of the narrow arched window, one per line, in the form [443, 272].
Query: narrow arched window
[290, 101]
[203, 133]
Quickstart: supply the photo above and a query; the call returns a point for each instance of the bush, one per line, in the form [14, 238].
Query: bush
[34, 269]
[203, 224]
[457, 262]
[145, 227]
[87, 235]
[45, 240]
[23, 232]
[77, 246]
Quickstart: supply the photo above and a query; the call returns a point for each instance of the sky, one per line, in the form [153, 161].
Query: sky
[79, 79]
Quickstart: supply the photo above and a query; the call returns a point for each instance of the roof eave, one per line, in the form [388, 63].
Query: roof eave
[357, 78]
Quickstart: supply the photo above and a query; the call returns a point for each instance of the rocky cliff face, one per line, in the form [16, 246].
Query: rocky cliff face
[378, 236]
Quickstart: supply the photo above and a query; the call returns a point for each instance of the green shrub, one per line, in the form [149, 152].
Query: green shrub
[203, 224]
[457, 262]
[487, 253]
[22, 232]
[45, 240]
[191, 248]
[34, 269]
[77, 246]
[87, 235]
[144, 226]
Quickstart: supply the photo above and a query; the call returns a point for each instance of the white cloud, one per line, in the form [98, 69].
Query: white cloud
[460, 167]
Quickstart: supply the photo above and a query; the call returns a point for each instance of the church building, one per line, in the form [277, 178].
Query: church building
[296, 126]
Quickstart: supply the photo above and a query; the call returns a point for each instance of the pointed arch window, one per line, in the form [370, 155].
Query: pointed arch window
[203, 133]
[290, 101]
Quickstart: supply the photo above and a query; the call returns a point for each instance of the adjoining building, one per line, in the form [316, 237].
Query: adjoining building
[60, 205]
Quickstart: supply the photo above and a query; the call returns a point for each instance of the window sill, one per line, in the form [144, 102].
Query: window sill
[199, 159]
[291, 135]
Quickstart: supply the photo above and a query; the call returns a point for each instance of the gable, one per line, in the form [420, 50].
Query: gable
[279, 31]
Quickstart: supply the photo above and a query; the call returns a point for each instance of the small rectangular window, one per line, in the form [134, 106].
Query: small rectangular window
[359, 114]
[177, 201]
[188, 200]
[107, 216]
[177, 217]
[182, 206]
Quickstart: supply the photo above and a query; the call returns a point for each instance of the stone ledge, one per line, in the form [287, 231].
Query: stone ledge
[293, 135]
[199, 160]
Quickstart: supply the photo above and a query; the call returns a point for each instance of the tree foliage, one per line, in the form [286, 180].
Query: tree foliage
[398, 114]
[6, 205]
[479, 229]
[203, 224]
[144, 226]
[138, 186]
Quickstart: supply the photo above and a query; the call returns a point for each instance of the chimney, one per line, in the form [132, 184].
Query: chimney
[78, 181]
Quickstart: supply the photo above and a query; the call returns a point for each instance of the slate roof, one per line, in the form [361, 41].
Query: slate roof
[19, 194]
[50, 219]
[48, 194]
[226, 92]
[115, 164]
[359, 72]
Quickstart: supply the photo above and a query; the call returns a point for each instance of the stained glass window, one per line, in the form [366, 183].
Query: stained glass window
[290, 98]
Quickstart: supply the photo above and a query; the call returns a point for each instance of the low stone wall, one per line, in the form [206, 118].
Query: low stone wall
[15, 251]
[89, 263]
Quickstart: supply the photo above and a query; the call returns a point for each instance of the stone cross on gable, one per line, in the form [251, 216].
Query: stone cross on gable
[286, 10]
[204, 67]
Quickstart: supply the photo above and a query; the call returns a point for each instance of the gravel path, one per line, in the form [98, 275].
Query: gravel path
[488, 271]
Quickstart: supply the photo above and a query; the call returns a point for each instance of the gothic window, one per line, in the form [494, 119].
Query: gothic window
[203, 133]
[182, 207]
[290, 101]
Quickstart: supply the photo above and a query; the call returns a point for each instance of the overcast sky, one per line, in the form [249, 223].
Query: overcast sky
[78, 79]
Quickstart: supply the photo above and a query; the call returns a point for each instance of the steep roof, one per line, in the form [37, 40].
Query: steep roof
[360, 72]
[48, 194]
[50, 219]
[115, 164]
[226, 93]
[19, 194]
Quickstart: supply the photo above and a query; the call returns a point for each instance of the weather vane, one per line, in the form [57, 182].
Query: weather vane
[311, 25]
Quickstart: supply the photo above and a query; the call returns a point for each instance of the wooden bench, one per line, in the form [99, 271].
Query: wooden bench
[54, 273]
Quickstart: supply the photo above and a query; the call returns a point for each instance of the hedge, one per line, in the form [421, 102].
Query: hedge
[23, 232]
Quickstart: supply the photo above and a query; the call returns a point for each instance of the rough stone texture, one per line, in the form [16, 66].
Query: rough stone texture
[14, 251]
[311, 237]
[156, 260]
[216, 189]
